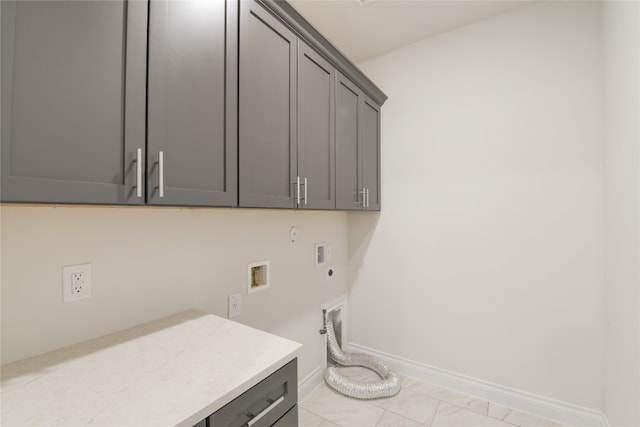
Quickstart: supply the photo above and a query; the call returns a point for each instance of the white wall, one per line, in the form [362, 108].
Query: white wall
[151, 262]
[487, 258]
[621, 31]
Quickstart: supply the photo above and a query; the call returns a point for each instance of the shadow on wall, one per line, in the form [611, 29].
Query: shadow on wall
[362, 226]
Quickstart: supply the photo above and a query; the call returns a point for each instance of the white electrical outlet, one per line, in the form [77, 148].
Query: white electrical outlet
[76, 282]
[234, 305]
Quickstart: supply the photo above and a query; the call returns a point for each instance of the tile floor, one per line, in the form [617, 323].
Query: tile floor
[417, 405]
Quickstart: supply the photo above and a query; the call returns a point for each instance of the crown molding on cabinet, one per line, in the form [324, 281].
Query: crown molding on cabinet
[284, 11]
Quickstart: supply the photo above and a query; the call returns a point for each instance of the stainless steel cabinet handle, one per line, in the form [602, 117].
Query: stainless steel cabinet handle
[268, 409]
[139, 172]
[367, 193]
[305, 190]
[298, 190]
[161, 173]
[364, 198]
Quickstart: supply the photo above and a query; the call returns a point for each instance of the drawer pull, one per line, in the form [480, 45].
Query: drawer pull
[161, 173]
[268, 409]
[138, 161]
[305, 190]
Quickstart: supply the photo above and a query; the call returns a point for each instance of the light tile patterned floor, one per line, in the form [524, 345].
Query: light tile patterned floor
[417, 405]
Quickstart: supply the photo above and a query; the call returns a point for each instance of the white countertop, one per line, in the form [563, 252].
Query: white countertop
[173, 371]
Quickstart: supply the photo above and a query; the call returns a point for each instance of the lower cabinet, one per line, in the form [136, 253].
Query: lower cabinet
[290, 419]
[271, 402]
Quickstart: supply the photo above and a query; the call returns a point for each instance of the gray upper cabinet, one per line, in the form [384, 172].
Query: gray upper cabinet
[267, 106]
[370, 159]
[287, 120]
[357, 148]
[349, 194]
[192, 103]
[183, 103]
[73, 101]
[316, 130]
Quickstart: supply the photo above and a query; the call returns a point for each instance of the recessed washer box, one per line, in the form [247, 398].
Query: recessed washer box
[258, 276]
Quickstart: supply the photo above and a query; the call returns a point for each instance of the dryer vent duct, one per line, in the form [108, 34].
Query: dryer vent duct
[388, 385]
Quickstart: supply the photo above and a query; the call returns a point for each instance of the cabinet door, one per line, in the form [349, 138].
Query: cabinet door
[192, 114]
[348, 191]
[370, 144]
[316, 131]
[73, 101]
[267, 106]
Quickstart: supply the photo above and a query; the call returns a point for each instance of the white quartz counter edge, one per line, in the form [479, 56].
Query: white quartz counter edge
[173, 371]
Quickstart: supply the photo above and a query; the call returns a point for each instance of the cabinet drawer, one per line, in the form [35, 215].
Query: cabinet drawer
[264, 404]
[290, 419]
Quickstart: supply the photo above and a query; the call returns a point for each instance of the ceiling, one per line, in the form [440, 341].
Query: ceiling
[363, 29]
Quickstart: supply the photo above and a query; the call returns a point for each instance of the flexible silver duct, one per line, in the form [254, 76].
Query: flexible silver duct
[389, 384]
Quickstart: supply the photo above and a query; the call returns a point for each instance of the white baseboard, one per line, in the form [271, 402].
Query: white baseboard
[566, 413]
[308, 383]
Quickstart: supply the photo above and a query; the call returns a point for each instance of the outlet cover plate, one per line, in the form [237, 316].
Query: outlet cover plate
[331, 272]
[76, 282]
[235, 305]
[322, 255]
